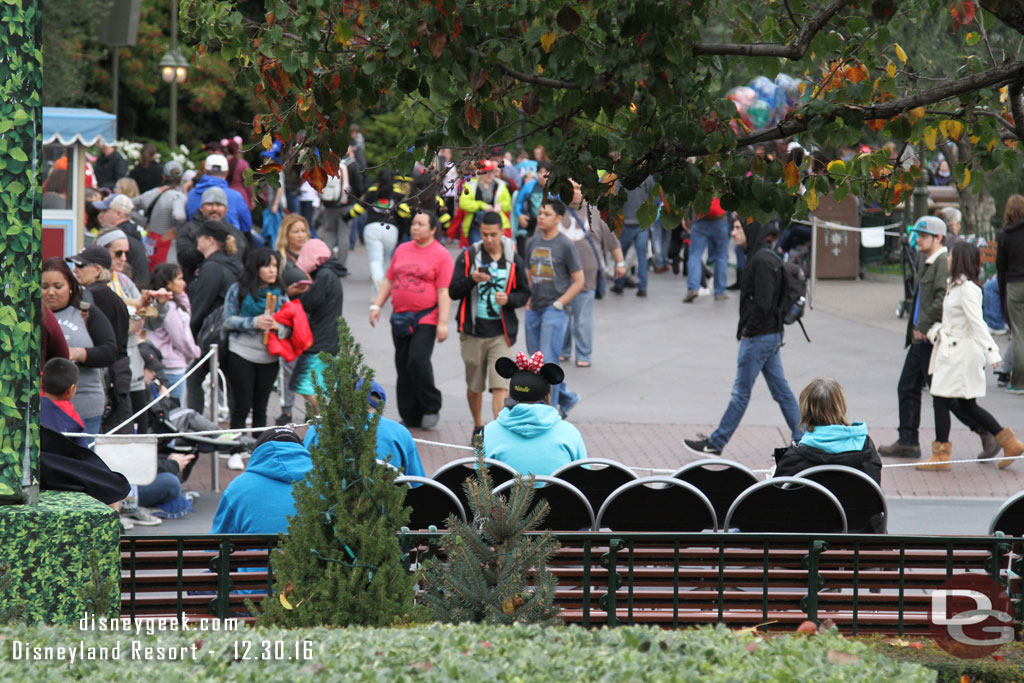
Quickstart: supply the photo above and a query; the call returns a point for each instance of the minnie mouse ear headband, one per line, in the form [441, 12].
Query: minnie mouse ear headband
[530, 378]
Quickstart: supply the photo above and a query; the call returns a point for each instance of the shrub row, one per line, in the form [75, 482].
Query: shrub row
[465, 653]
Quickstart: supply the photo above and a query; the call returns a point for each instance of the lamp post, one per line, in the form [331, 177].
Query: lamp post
[174, 70]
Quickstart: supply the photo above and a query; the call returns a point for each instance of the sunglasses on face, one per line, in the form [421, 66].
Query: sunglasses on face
[122, 253]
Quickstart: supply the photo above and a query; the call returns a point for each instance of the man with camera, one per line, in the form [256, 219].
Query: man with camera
[490, 281]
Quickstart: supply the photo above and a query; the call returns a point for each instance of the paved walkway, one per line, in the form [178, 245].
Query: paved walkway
[663, 371]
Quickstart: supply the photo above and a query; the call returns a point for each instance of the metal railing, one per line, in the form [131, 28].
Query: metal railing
[863, 583]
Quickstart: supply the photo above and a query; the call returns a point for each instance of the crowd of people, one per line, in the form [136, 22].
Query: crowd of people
[176, 263]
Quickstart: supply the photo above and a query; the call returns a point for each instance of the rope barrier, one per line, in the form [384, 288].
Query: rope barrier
[160, 396]
[426, 442]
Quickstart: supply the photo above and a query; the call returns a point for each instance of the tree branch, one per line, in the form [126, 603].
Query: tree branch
[794, 50]
[789, 11]
[538, 80]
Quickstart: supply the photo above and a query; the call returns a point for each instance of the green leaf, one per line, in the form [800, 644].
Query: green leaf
[19, 154]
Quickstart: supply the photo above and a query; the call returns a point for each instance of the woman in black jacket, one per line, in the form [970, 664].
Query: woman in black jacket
[321, 301]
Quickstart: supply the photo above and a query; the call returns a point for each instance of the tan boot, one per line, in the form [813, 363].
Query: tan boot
[941, 451]
[1012, 446]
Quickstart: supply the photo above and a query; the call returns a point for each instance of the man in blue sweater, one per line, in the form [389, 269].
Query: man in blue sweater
[259, 501]
[215, 175]
[394, 442]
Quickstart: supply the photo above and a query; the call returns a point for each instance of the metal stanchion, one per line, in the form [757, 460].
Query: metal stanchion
[214, 410]
[812, 285]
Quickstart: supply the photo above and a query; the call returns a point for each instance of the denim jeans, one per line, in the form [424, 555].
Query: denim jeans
[712, 234]
[660, 243]
[381, 240]
[758, 355]
[581, 327]
[179, 392]
[545, 331]
[165, 487]
[356, 227]
[634, 235]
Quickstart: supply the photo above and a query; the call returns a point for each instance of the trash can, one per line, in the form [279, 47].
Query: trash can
[838, 251]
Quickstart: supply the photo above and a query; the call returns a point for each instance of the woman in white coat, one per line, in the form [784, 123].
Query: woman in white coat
[962, 346]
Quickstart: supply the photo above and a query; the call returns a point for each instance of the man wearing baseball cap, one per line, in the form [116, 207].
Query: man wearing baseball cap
[215, 173]
[164, 207]
[213, 207]
[116, 214]
[927, 310]
[480, 195]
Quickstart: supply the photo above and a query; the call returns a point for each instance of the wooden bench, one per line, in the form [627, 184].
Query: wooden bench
[863, 584]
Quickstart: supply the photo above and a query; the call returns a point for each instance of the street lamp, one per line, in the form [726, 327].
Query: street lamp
[174, 70]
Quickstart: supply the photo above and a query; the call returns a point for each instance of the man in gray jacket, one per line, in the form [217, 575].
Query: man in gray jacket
[931, 290]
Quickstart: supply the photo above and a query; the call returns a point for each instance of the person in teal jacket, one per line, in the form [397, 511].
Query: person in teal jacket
[259, 501]
[394, 442]
[530, 435]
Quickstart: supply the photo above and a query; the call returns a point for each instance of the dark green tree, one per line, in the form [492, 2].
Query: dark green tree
[488, 562]
[340, 563]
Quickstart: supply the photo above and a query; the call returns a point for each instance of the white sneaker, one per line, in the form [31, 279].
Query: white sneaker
[126, 524]
[235, 462]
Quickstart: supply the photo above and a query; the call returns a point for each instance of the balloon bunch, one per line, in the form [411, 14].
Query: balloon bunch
[765, 102]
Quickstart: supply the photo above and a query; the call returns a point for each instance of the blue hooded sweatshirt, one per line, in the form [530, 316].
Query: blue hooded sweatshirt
[533, 439]
[259, 501]
[238, 213]
[837, 438]
[394, 446]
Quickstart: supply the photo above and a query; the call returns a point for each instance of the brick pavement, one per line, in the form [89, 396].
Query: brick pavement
[659, 446]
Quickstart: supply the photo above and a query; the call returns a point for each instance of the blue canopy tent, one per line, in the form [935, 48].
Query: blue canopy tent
[67, 132]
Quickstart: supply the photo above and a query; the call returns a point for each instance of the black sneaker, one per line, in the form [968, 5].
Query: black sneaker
[477, 431]
[641, 292]
[617, 289]
[701, 447]
[283, 419]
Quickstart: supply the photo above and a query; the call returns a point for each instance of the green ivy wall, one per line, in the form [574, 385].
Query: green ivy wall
[21, 121]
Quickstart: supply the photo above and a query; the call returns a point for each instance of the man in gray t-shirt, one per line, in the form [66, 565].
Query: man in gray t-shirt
[556, 277]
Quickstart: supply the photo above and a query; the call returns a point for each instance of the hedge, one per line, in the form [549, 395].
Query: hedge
[465, 653]
[1005, 666]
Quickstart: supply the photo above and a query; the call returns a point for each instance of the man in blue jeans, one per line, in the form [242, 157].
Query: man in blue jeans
[710, 231]
[760, 335]
[556, 277]
[633, 234]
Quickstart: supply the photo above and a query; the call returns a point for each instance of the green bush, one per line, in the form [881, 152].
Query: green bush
[473, 653]
[1006, 665]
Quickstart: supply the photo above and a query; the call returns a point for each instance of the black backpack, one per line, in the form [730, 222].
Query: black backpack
[793, 297]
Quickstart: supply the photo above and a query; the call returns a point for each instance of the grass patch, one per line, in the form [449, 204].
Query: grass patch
[1007, 664]
[465, 653]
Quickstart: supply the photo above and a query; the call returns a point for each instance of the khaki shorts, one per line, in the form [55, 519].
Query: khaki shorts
[479, 355]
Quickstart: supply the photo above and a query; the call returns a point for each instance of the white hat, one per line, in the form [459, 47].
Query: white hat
[930, 225]
[216, 162]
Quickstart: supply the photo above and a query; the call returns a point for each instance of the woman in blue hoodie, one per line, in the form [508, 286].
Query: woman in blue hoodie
[530, 435]
[829, 438]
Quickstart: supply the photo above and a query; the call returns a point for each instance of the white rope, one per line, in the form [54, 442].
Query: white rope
[160, 395]
[957, 462]
[173, 435]
[839, 226]
[444, 445]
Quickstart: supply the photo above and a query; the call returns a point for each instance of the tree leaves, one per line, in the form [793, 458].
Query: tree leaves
[436, 43]
[791, 175]
[547, 40]
[568, 19]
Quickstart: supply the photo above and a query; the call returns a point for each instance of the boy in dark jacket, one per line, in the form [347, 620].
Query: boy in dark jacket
[490, 280]
[760, 335]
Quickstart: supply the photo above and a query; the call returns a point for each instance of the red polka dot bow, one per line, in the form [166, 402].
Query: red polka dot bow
[532, 363]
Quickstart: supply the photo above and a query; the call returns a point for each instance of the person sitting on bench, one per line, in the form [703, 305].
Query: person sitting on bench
[529, 434]
[829, 438]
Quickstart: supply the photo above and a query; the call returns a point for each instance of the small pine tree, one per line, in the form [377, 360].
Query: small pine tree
[488, 562]
[341, 563]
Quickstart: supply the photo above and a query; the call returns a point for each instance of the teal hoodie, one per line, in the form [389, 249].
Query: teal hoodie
[837, 438]
[533, 439]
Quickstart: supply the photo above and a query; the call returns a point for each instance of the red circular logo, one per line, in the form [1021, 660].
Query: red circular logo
[971, 616]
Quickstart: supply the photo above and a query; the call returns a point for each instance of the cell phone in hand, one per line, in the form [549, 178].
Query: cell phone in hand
[304, 282]
[484, 269]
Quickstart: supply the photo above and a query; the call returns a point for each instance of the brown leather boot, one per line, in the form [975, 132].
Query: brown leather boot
[1012, 446]
[941, 451]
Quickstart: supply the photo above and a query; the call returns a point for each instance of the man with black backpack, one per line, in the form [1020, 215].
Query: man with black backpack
[763, 296]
